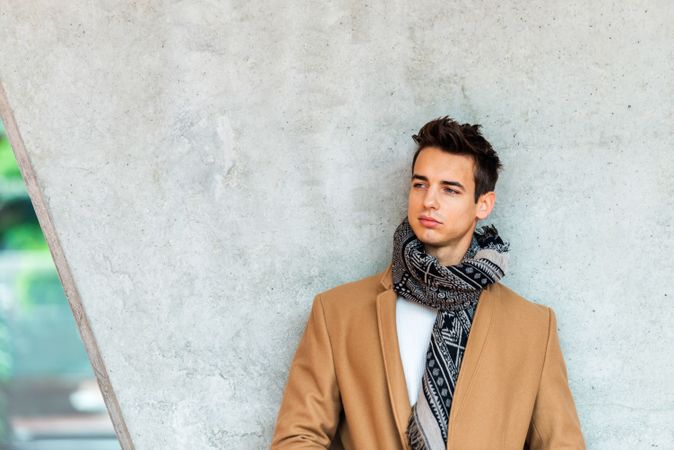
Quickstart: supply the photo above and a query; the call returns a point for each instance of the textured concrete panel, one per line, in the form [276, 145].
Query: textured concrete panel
[209, 166]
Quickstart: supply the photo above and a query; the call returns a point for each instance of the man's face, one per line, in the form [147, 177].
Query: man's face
[442, 188]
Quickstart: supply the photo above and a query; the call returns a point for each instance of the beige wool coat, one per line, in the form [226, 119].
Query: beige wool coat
[346, 386]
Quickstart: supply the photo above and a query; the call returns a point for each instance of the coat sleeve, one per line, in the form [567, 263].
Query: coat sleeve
[311, 404]
[554, 423]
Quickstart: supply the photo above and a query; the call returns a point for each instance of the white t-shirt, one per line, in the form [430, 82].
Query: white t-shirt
[414, 324]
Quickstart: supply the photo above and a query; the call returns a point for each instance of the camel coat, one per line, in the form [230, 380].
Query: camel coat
[346, 386]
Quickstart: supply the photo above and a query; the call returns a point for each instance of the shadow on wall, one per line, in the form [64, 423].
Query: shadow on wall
[49, 398]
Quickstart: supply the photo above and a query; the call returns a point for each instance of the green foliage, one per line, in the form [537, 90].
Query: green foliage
[19, 228]
[38, 287]
[5, 354]
[8, 166]
[27, 236]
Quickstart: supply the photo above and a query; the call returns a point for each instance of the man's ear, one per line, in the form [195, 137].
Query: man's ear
[485, 204]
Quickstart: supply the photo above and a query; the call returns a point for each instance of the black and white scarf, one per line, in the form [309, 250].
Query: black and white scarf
[454, 291]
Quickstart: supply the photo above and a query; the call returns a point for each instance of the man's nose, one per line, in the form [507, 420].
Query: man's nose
[430, 200]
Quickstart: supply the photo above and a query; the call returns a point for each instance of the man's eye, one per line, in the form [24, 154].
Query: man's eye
[417, 185]
[452, 191]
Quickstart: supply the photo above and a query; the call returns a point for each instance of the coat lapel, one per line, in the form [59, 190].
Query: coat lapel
[477, 339]
[388, 338]
[395, 376]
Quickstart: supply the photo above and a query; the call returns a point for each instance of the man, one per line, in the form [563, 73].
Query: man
[386, 362]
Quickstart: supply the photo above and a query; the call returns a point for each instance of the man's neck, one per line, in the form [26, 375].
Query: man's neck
[451, 254]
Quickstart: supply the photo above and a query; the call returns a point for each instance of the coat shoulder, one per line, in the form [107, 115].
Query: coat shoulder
[353, 294]
[521, 319]
[520, 310]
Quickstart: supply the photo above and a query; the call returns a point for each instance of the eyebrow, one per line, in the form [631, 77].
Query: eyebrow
[443, 182]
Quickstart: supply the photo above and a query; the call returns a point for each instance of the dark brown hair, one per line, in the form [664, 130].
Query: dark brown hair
[448, 135]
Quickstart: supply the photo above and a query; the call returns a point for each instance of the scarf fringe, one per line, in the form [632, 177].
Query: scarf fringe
[415, 437]
[494, 256]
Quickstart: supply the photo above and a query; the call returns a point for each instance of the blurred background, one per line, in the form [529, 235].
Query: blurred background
[49, 398]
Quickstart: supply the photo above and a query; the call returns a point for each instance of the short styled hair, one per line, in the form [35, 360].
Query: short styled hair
[448, 135]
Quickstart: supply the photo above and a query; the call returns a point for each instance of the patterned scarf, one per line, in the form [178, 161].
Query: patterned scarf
[454, 291]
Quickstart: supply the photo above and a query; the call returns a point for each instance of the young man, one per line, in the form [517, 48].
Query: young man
[386, 362]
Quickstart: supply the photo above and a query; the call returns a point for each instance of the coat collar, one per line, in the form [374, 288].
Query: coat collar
[395, 376]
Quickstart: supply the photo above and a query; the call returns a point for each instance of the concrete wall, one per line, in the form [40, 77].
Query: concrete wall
[204, 168]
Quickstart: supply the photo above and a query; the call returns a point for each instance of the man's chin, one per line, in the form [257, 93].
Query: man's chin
[427, 236]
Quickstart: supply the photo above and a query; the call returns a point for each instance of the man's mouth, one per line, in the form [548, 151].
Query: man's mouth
[428, 221]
